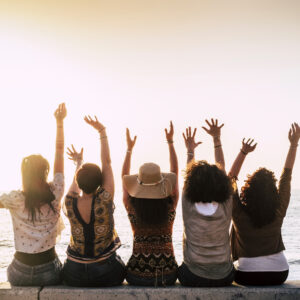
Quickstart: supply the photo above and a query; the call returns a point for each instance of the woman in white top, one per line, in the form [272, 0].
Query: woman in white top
[35, 212]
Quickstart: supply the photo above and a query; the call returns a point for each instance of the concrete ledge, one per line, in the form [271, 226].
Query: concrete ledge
[18, 293]
[290, 290]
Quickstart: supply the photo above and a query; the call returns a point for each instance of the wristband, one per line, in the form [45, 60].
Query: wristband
[245, 153]
[218, 146]
[170, 142]
[190, 153]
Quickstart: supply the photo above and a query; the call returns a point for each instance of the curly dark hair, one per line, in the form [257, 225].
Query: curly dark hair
[206, 183]
[260, 197]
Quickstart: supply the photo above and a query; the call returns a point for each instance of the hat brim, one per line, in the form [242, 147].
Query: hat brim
[158, 191]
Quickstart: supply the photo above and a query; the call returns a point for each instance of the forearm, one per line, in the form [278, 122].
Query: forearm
[105, 153]
[173, 159]
[74, 187]
[219, 155]
[291, 156]
[236, 167]
[59, 149]
[190, 156]
[127, 163]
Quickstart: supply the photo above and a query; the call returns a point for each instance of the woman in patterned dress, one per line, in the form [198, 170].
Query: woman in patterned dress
[150, 199]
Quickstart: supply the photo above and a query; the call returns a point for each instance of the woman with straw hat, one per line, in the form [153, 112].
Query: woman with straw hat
[150, 198]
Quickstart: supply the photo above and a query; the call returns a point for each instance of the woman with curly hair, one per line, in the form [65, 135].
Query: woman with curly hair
[35, 212]
[258, 214]
[206, 209]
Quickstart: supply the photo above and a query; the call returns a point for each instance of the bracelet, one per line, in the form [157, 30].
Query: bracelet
[218, 146]
[190, 153]
[103, 137]
[129, 151]
[170, 142]
[245, 153]
[294, 146]
[59, 126]
[101, 129]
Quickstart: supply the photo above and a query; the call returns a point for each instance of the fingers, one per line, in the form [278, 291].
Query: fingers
[198, 143]
[194, 133]
[207, 130]
[184, 137]
[243, 141]
[208, 123]
[221, 125]
[254, 146]
[134, 140]
[171, 126]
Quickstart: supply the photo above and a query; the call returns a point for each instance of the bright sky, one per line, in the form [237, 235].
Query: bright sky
[139, 64]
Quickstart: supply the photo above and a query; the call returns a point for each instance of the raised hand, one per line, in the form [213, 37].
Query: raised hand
[170, 133]
[130, 142]
[74, 155]
[247, 146]
[94, 123]
[294, 134]
[61, 112]
[189, 139]
[214, 130]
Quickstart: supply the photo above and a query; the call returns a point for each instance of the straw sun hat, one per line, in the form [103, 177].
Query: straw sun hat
[150, 183]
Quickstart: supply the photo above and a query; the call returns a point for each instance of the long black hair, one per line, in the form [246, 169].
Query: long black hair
[36, 189]
[260, 197]
[206, 183]
[151, 211]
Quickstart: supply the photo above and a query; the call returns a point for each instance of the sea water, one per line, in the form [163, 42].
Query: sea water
[290, 233]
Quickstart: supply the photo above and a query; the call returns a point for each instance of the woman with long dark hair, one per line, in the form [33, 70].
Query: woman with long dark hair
[258, 214]
[206, 211]
[150, 199]
[35, 212]
[91, 256]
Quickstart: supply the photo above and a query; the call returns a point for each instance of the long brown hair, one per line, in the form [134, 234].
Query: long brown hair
[36, 189]
[151, 211]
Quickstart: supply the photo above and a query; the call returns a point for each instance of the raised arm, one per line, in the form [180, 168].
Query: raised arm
[127, 162]
[294, 135]
[59, 114]
[108, 178]
[172, 152]
[190, 144]
[215, 131]
[77, 157]
[247, 147]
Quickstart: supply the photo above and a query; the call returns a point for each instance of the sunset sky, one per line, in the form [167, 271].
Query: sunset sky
[140, 64]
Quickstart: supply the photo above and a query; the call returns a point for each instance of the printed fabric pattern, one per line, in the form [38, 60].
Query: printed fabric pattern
[153, 253]
[95, 240]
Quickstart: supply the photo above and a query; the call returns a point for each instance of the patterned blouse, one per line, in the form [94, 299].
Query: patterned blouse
[98, 239]
[43, 234]
[153, 253]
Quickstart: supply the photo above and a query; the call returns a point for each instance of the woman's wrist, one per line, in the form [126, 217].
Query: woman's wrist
[294, 144]
[244, 152]
[129, 150]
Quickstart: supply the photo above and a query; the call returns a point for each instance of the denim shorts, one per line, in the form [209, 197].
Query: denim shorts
[110, 272]
[19, 274]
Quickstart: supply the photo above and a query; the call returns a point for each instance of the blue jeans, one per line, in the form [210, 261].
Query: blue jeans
[110, 272]
[19, 274]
